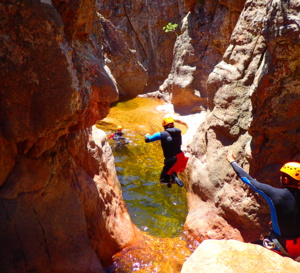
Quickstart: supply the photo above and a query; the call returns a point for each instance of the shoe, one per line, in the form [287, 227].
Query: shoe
[169, 185]
[177, 180]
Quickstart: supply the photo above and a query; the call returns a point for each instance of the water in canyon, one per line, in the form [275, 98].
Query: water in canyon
[154, 208]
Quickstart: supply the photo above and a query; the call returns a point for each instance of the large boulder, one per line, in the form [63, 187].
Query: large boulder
[231, 256]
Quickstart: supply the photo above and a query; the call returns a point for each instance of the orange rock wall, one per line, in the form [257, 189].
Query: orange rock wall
[61, 204]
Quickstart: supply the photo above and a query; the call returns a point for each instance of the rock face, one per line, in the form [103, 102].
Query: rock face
[61, 204]
[137, 27]
[130, 74]
[206, 31]
[222, 256]
[254, 110]
[64, 62]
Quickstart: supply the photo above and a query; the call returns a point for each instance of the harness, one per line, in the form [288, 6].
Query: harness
[290, 249]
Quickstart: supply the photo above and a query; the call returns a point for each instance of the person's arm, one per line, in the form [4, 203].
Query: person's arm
[156, 136]
[111, 136]
[246, 178]
[265, 190]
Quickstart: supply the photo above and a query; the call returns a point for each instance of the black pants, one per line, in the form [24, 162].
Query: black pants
[168, 164]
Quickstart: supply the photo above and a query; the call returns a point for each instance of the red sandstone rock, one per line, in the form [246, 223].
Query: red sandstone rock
[139, 29]
[61, 206]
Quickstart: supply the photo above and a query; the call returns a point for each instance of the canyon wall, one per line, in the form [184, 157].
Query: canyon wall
[63, 63]
[61, 203]
[136, 29]
[254, 103]
[205, 35]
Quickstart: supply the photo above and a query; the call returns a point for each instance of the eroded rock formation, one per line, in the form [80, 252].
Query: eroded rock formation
[254, 110]
[61, 204]
[206, 31]
[137, 27]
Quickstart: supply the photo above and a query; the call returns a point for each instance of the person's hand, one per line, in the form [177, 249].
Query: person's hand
[147, 137]
[230, 157]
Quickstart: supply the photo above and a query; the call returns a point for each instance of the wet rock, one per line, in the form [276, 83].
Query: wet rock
[233, 256]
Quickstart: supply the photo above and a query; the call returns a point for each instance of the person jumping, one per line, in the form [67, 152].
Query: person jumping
[175, 160]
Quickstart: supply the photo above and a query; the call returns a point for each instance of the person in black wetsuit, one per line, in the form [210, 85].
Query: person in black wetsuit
[284, 204]
[175, 161]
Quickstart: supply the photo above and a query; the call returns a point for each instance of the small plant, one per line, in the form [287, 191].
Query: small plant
[170, 28]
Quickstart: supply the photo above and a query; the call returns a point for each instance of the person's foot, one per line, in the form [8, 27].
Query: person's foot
[165, 180]
[169, 185]
[177, 180]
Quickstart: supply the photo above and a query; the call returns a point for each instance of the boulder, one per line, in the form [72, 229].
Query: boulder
[230, 256]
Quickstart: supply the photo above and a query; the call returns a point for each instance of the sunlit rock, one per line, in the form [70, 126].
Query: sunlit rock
[233, 256]
[205, 35]
[253, 110]
[131, 76]
[138, 26]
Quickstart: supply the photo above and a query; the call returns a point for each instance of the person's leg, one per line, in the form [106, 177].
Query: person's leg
[175, 178]
[164, 177]
[168, 163]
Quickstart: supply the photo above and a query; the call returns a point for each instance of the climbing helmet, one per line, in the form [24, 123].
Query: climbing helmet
[167, 120]
[292, 169]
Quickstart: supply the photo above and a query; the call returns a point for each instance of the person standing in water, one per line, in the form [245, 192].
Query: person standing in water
[119, 136]
[174, 161]
[284, 204]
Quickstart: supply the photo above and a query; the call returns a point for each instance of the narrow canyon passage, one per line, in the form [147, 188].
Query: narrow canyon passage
[154, 208]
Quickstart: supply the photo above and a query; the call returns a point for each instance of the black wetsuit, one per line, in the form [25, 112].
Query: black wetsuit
[118, 135]
[171, 145]
[284, 207]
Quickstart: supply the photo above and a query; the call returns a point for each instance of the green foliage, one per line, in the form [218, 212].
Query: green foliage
[170, 27]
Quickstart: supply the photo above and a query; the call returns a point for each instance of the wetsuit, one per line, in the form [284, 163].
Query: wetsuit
[171, 146]
[117, 135]
[285, 214]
